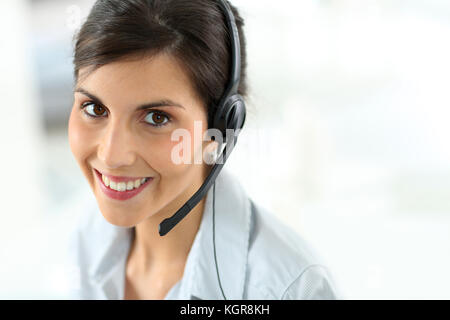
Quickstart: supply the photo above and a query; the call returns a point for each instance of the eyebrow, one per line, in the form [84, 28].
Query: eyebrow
[156, 104]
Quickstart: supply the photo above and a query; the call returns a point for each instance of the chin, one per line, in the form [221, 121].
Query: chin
[119, 218]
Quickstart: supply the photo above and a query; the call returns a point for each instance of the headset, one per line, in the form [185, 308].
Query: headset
[229, 114]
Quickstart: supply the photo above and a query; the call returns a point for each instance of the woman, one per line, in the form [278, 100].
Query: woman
[143, 70]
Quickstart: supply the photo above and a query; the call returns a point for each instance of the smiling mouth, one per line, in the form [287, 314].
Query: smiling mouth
[121, 184]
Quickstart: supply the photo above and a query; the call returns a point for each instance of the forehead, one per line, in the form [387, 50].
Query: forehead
[155, 77]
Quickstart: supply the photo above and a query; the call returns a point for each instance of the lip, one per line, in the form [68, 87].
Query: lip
[120, 195]
[119, 179]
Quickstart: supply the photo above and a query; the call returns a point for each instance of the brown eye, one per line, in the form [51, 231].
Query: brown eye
[98, 110]
[94, 110]
[157, 119]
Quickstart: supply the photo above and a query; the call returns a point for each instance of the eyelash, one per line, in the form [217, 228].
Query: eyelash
[169, 118]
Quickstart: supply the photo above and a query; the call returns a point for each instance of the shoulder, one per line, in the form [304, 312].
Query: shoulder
[81, 247]
[282, 264]
[88, 230]
[91, 240]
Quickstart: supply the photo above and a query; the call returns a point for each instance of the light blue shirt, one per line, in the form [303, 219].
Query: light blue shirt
[258, 256]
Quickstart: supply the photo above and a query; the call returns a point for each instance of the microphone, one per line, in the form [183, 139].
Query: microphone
[167, 224]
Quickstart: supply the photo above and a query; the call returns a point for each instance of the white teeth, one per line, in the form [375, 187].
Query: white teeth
[113, 185]
[130, 185]
[123, 186]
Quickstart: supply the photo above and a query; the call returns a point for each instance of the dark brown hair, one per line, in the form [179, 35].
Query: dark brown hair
[193, 31]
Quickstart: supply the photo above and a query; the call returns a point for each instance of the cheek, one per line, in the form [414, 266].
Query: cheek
[159, 156]
[158, 153]
[80, 137]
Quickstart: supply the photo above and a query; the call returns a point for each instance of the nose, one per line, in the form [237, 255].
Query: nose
[116, 147]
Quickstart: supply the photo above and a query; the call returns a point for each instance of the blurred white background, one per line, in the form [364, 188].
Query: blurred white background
[346, 139]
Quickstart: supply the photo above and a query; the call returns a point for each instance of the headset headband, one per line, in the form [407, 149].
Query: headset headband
[235, 73]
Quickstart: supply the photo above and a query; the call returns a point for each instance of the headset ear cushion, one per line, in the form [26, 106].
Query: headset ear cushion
[236, 117]
[231, 115]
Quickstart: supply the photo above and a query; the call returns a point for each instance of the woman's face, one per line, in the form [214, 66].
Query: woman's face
[109, 134]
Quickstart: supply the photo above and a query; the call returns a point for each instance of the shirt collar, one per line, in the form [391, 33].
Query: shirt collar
[232, 231]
